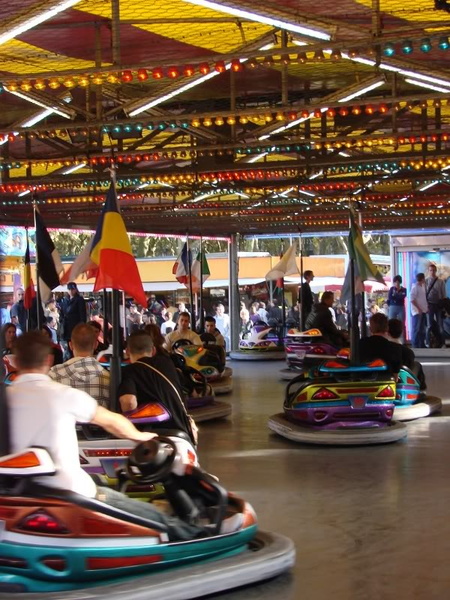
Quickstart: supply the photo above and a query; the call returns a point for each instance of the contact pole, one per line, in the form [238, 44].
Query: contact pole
[302, 316]
[191, 293]
[201, 316]
[38, 290]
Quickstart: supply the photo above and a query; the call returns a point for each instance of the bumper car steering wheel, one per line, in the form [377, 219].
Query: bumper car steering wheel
[181, 342]
[151, 461]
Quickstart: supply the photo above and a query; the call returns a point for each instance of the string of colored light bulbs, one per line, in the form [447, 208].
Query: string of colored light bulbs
[263, 116]
[140, 75]
[263, 176]
[339, 143]
[183, 199]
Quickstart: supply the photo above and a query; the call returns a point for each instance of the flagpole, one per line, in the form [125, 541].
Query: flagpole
[116, 358]
[24, 290]
[363, 298]
[38, 289]
[354, 333]
[302, 304]
[191, 294]
[354, 337]
[105, 316]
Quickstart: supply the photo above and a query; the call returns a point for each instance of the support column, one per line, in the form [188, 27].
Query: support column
[116, 358]
[115, 30]
[233, 294]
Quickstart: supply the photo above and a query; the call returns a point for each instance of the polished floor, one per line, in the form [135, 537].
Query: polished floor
[369, 523]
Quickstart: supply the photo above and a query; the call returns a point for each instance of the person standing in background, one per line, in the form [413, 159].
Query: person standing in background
[74, 313]
[396, 300]
[18, 312]
[223, 324]
[306, 296]
[419, 309]
[435, 292]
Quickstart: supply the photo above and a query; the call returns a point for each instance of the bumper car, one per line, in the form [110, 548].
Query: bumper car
[263, 343]
[199, 394]
[410, 402]
[303, 349]
[103, 456]
[209, 360]
[56, 543]
[342, 404]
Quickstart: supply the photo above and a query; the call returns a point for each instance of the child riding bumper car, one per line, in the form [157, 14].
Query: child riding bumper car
[55, 540]
[342, 404]
[263, 343]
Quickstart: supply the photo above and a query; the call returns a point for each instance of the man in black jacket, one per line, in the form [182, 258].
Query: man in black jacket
[321, 318]
[306, 296]
[74, 311]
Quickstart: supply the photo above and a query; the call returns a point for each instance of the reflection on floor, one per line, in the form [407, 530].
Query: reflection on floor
[368, 522]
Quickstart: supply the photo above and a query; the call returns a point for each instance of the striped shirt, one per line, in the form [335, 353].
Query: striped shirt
[86, 374]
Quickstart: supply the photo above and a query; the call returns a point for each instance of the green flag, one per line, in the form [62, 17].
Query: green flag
[200, 265]
[357, 250]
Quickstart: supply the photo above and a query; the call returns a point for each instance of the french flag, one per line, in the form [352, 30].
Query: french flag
[181, 267]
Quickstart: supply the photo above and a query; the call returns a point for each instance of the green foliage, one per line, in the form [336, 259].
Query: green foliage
[70, 245]
[376, 244]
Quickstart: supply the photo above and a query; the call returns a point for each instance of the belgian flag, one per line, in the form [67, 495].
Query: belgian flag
[111, 252]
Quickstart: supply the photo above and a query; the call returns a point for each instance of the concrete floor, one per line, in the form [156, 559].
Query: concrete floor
[368, 522]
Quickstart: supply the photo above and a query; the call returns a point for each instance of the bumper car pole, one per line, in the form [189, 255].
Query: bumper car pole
[354, 336]
[115, 368]
[233, 293]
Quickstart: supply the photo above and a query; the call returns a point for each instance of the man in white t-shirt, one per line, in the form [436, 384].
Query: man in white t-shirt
[223, 324]
[419, 309]
[182, 332]
[169, 324]
[44, 413]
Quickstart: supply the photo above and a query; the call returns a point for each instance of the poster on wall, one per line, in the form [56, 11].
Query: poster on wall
[13, 241]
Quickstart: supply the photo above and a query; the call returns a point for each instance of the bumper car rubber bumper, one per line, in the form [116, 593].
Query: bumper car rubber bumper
[258, 355]
[268, 555]
[424, 408]
[288, 374]
[222, 386]
[215, 410]
[392, 432]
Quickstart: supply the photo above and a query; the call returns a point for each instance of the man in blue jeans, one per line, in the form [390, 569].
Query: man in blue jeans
[435, 292]
[419, 309]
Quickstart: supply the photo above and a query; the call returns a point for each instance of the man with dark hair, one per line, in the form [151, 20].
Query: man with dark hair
[183, 332]
[379, 346]
[83, 371]
[151, 378]
[396, 299]
[395, 330]
[19, 313]
[74, 311]
[44, 413]
[210, 327]
[306, 296]
[321, 318]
